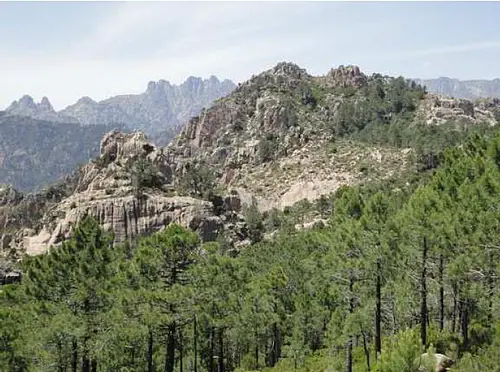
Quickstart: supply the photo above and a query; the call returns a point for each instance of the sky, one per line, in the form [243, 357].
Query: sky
[66, 50]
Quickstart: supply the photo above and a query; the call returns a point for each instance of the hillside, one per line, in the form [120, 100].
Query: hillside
[161, 109]
[309, 223]
[282, 137]
[467, 89]
[396, 279]
[285, 135]
[35, 153]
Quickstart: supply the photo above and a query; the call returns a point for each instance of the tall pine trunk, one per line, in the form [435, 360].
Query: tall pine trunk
[85, 356]
[348, 348]
[455, 308]
[170, 349]
[181, 352]
[195, 346]
[256, 351]
[74, 356]
[378, 312]
[423, 295]
[149, 352]
[275, 348]
[464, 322]
[211, 356]
[220, 360]
[366, 351]
[441, 292]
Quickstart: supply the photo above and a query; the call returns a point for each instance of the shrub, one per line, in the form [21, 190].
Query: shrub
[267, 149]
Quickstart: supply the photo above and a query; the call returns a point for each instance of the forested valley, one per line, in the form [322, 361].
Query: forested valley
[399, 269]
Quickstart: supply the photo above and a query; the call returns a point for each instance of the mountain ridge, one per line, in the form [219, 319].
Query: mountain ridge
[466, 89]
[282, 138]
[162, 107]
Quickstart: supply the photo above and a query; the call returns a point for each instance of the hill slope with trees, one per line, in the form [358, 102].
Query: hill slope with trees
[392, 274]
[392, 269]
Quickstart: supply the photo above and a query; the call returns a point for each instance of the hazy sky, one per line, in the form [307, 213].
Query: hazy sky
[68, 50]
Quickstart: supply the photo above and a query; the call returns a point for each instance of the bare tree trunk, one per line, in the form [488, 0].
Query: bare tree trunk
[220, 360]
[256, 351]
[181, 352]
[441, 292]
[464, 322]
[211, 366]
[455, 308]
[348, 349]
[195, 338]
[149, 352]
[378, 312]
[366, 350]
[423, 296]
[74, 356]
[275, 348]
[85, 356]
[170, 349]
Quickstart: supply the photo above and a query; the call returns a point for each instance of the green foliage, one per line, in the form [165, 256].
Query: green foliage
[144, 174]
[424, 254]
[401, 354]
[254, 222]
[197, 180]
[268, 148]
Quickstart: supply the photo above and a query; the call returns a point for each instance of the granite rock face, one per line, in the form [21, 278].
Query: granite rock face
[274, 139]
[127, 216]
[271, 137]
[104, 189]
[436, 110]
[345, 76]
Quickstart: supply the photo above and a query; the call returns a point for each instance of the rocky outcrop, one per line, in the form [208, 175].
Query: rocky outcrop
[270, 138]
[438, 110]
[105, 189]
[344, 76]
[127, 217]
[436, 362]
[279, 138]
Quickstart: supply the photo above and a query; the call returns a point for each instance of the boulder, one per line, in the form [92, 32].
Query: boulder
[439, 362]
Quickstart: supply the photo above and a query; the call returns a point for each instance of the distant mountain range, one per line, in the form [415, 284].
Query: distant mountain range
[467, 89]
[160, 111]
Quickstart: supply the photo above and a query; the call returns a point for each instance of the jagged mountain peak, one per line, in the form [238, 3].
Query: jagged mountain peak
[26, 106]
[46, 105]
[86, 101]
[467, 89]
[161, 109]
[26, 101]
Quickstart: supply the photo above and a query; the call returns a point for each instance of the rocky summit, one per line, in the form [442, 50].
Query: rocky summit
[285, 135]
[281, 137]
[106, 189]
